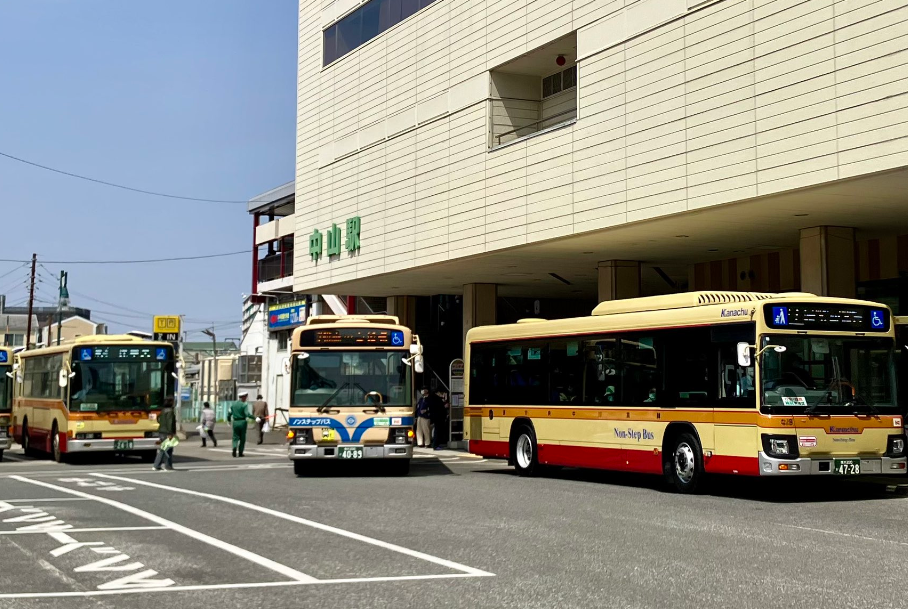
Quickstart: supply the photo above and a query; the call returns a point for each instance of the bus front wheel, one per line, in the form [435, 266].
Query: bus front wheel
[26, 441]
[683, 463]
[524, 450]
[56, 450]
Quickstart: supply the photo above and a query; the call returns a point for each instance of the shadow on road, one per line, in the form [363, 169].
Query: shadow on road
[419, 468]
[770, 490]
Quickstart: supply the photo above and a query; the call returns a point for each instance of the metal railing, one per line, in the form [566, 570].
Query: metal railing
[572, 112]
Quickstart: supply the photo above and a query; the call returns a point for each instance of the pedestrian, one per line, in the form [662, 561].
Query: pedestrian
[424, 420]
[167, 429]
[206, 423]
[260, 412]
[439, 410]
[238, 415]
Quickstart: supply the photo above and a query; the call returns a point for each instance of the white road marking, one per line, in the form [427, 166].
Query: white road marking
[43, 500]
[88, 530]
[144, 469]
[200, 587]
[843, 534]
[197, 535]
[311, 523]
[253, 452]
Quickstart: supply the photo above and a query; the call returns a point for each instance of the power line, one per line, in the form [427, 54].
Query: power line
[21, 266]
[121, 186]
[153, 260]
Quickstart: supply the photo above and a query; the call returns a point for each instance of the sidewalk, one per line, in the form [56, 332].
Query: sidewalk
[224, 432]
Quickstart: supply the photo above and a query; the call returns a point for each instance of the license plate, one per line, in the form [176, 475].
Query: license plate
[846, 467]
[123, 444]
[350, 452]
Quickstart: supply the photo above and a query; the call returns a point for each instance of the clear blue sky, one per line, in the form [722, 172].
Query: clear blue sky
[193, 97]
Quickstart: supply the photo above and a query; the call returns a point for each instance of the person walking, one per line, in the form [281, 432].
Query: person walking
[206, 422]
[260, 412]
[238, 415]
[167, 429]
[424, 420]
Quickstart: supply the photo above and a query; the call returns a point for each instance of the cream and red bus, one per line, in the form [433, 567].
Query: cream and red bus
[99, 393]
[691, 384]
[6, 397]
[351, 395]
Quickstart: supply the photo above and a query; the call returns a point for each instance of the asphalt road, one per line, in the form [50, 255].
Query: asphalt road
[457, 532]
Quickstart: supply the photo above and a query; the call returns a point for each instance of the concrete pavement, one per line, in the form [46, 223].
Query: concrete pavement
[247, 533]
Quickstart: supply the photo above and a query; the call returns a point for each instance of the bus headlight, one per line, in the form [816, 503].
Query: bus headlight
[785, 447]
[301, 436]
[895, 447]
[400, 435]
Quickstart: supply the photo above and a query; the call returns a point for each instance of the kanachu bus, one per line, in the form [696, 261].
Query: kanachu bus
[351, 394]
[99, 393]
[6, 397]
[691, 384]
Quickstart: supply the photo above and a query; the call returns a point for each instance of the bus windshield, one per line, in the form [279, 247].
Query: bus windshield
[106, 386]
[828, 374]
[351, 378]
[6, 389]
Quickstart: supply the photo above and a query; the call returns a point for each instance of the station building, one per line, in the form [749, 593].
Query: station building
[476, 161]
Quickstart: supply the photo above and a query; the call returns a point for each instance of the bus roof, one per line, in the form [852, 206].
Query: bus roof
[93, 339]
[672, 310]
[391, 320]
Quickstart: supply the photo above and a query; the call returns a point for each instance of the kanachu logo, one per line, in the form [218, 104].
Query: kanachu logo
[734, 313]
[844, 430]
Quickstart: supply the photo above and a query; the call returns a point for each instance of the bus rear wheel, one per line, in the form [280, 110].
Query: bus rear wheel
[26, 441]
[524, 450]
[683, 463]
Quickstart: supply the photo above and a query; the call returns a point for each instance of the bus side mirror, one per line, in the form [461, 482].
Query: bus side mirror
[744, 355]
[419, 364]
[63, 378]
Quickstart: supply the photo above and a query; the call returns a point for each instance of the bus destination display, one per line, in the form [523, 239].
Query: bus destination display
[826, 317]
[118, 353]
[352, 337]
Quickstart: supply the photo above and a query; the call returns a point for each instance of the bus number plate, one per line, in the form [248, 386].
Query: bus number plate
[350, 452]
[846, 467]
[123, 445]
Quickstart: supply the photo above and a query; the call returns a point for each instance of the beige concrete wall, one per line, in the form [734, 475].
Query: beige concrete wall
[679, 108]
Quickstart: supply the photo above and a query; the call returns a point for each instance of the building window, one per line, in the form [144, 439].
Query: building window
[282, 340]
[558, 82]
[364, 24]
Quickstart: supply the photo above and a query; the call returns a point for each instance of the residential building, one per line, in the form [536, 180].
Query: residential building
[529, 159]
[71, 327]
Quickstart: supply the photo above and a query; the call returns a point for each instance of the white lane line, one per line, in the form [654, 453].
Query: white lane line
[90, 530]
[144, 469]
[217, 543]
[200, 587]
[43, 500]
[843, 534]
[252, 452]
[311, 523]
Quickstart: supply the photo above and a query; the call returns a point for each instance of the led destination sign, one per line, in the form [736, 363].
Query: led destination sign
[117, 353]
[352, 337]
[826, 317]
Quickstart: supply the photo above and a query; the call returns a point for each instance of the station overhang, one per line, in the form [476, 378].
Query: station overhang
[874, 205]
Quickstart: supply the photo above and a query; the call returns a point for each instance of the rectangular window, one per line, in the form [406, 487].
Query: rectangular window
[558, 82]
[364, 24]
[569, 78]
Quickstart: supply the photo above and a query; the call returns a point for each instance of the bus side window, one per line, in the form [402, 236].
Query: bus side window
[600, 371]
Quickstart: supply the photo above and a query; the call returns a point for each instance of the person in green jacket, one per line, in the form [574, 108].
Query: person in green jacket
[167, 429]
[238, 415]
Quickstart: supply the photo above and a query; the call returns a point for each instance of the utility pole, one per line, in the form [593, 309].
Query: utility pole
[31, 303]
[214, 347]
[62, 302]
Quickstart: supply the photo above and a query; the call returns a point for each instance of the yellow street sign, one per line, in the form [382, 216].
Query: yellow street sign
[167, 324]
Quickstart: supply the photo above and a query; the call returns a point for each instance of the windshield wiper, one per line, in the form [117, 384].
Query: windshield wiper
[332, 396]
[865, 402]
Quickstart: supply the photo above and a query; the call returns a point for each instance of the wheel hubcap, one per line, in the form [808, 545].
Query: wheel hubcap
[524, 451]
[684, 462]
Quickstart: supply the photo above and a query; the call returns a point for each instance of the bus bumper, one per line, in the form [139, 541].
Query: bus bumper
[6, 442]
[313, 451]
[805, 466]
[84, 446]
